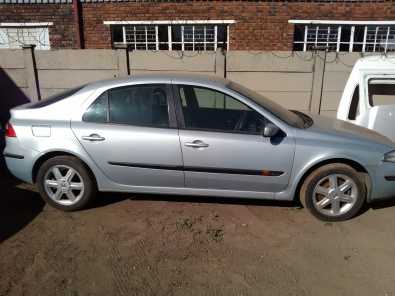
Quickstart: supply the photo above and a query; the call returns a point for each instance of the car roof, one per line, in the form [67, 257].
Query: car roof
[163, 77]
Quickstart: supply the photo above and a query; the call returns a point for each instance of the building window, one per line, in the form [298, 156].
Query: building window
[344, 36]
[188, 36]
[16, 35]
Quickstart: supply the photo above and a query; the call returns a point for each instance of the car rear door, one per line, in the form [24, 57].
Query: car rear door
[131, 134]
[223, 147]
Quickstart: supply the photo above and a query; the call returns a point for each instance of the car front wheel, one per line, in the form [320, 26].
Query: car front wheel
[333, 192]
[65, 183]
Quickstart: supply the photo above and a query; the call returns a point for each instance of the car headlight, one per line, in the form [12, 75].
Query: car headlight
[390, 156]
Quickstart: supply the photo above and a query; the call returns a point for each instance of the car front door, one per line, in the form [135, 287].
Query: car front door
[223, 147]
[130, 132]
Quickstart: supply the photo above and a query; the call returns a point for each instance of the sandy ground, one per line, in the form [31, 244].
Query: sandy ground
[161, 245]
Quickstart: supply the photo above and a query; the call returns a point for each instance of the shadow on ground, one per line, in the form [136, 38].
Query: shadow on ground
[105, 199]
[19, 206]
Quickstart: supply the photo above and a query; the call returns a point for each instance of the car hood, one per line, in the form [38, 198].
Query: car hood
[335, 127]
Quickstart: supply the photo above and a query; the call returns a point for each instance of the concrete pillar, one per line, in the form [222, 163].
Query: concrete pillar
[123, 62]
[220, 63]
[318, 82]
[31, 73]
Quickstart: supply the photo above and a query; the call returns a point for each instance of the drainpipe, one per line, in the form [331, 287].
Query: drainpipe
[77, 14]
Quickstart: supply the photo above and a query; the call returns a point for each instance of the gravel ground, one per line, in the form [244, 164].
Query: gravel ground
[162, 245]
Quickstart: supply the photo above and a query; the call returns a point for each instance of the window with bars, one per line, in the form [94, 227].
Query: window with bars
[201, 37]
[349, 37]
[16, 37]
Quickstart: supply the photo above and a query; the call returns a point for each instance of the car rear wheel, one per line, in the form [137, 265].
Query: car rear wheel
[65, 183]
[333, 192]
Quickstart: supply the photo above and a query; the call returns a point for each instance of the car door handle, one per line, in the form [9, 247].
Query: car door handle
[196, 144]
[93, 138]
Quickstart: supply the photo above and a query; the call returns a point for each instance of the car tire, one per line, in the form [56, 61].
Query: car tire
[65, 183]
[333, 192]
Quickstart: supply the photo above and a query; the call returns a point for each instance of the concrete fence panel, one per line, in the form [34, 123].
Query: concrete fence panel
[277, 61]
[281, 76]
[63, 69]
[12, 65]
[148, 61]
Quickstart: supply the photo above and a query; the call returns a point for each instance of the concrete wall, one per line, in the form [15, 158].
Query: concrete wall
[280, 76]
[300, 81]
[62, 69]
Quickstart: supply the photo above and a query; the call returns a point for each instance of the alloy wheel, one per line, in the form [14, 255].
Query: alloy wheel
[335, 195]
[64, 185]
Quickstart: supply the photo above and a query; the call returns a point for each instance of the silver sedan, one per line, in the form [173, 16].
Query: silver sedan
[194, 135]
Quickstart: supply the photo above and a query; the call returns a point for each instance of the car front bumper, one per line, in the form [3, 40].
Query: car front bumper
[383, 181]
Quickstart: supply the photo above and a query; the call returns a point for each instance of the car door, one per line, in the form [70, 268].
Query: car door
[223, 147]
[131, 134]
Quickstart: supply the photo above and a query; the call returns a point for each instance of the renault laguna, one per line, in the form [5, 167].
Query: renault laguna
[194, 135]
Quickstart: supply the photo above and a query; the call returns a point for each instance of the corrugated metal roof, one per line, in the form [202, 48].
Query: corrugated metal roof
[177, 1]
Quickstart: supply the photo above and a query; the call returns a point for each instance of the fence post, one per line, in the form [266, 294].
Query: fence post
[220, 63]
[318, 81]
[123, 65]
[31, 73]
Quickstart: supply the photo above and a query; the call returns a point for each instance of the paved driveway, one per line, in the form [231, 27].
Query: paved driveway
[161, 245]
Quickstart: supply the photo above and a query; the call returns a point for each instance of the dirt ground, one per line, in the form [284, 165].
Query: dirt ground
[161, 245]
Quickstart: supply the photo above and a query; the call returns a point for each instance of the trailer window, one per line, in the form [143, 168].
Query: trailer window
[381, 92]
[354, 106]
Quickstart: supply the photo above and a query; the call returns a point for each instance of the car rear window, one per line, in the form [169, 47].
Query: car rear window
[56, 97]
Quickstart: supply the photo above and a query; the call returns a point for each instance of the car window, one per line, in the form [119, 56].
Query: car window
[381, 91]
[354, 106]
[144, 105]
[208, 109]
[98, 111]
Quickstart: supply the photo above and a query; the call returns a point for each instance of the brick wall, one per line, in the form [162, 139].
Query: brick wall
[61, 34]
[260, 25]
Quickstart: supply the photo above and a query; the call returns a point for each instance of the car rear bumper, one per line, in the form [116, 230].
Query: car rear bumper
[19, 160]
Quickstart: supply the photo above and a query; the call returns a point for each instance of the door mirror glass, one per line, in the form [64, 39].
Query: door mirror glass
[270, 130]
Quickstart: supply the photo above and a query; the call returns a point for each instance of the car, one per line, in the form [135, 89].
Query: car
[368, 98]
[185, 134]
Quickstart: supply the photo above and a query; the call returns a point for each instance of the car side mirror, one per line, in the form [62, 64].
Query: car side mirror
[270, 130]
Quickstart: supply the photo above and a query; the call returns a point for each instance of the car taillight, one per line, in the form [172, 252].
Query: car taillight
[9, 131]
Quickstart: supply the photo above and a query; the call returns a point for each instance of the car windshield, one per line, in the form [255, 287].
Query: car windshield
[291, 118]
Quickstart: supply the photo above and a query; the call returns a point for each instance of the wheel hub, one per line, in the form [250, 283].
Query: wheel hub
[335, 194]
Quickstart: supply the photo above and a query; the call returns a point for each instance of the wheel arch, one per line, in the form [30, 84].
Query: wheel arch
[352, 163]
[51, 154]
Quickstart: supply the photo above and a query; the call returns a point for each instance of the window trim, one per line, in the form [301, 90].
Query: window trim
[170, 107]
[180, 113]
[47, 24]
[171, 22]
